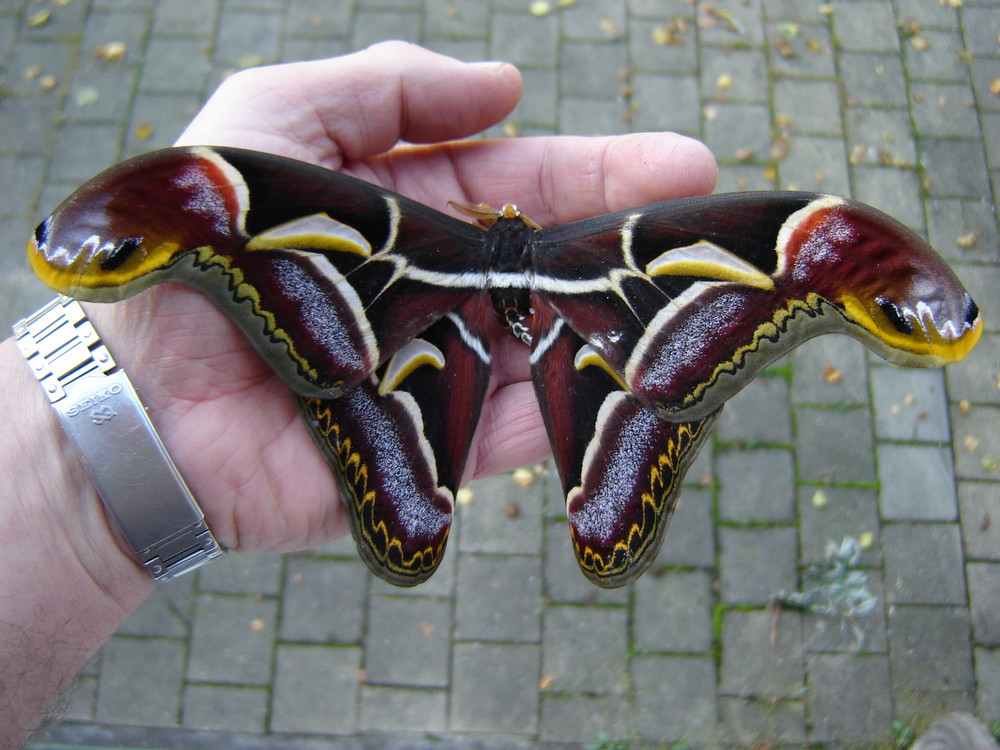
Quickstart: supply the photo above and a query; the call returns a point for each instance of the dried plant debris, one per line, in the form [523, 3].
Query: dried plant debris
[837, 588]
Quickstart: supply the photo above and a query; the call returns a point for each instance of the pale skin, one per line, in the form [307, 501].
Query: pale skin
[228, 422]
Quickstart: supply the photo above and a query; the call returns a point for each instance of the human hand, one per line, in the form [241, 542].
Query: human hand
[229, 422]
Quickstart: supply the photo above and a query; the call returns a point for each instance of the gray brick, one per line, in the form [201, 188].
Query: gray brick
[315, 690]
[32, 60]
[979, 509]
[128, 662]
[484, 580]
[834, 445]
[812, 51]
[523, 40]
[176, 66]
[84, 149]
[187, 17]
[232, 639]
[850, 698]
[859, 634]
[761, 656]
[917, 483]
[746, 70]
[502, 518]
[756, 485]
[592, 70]
[584, 718]
[928, 14]
[988, 682]
[243, 33]
[739, 127]
[847, 511]
[407, 643]
[984, 593]
[563, 580]
[929, 648]
[673, 612]
[27, 123]
[646, 55]
[756, 563]
[446, 18]
[758, 414]
[242, 574]
[167, 114]
[868, 25]
[570, 658]
[880, 137]
[950, 219]
[977, 443]
[910, 404]
[166, 613]
[799, 170]
[873, 79]
[812, 106]
[940, 109]
[591, 117]
[593, 21]
[324, 601]
[752, 722]
[387, 709]
[232, 709]
[21, 187]
[923, 564]
[940, 60]
[690, 539]
[538, 105]
[495, 688]
[955, 168]
[675, 698]
[830, 370]
[741, 26]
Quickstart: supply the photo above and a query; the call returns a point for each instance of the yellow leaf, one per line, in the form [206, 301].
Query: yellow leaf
[540, 8]
[40, 18]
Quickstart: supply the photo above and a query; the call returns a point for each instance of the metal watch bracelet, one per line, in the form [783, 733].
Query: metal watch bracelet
[138, 482]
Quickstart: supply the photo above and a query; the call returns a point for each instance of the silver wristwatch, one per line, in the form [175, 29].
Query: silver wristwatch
[100, 411]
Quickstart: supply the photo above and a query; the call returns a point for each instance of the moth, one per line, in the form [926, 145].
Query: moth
[372, 308]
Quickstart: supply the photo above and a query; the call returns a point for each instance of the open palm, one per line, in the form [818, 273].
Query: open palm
[231, 425]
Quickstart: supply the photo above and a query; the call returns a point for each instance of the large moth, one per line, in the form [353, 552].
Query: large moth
[372, 308]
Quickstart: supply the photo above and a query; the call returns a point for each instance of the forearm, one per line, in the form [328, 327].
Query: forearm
[65, 584]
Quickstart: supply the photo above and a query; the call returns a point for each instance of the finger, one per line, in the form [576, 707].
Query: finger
[510, 433]
[557, 180]
[356, 105]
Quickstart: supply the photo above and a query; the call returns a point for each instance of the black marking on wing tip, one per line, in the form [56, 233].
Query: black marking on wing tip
[121, 253]
[892, 313]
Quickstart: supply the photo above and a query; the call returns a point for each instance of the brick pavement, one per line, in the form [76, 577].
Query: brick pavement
[892, 101]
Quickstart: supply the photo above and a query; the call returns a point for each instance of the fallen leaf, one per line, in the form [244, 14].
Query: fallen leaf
[963, 407]
[995, 83]
[111, 52]
[780, 147]
[544, 682]
[819, 499]
[609, 26]
[909, 399]
[32, 72]
[989, 463]
[87, 97]
[832, 374]
[540, 8]
[785, 48]
[464, 496]
[866, 540]
[724, 82]
[40, 18]
[920, 43]
[511, 509]
[970, 443]
[566, 3]
[744, 155]
[144, 131]
[510, 129]
[523, 477]
[298, 578]
[426, 628]
[967, 241]
[256, 624]
[47, 82]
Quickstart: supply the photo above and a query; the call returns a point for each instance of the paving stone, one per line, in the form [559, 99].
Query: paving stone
[737, 128]
[834, 445]
[407, 643]
[585, 719]
[753, 723]
[690, 540]
[929, 649]
[744, 69]
[938, 110]
[836, 513]
[984, 595]
[910, 404]
[813, 107]
[255, 34]
[880, 137]
[388, 709]
[484, 580]
[315, 690]
[502, 518]
[450, 19]
[127, 663]
[756, 485]
[742, 25]
[758, 414]
[675, 698]
[166, 613]
[523, 40]
[167, 115]
[940, 60]
[495, 688]
[586, 649]
[951, 219]
[812, 50]
[21, 188]
[799, 172]
[850, 698]
[756, 563]
[323, 601]
[830, 370]
[673, 612]
[176, 66]
[242, 574]
[27, 123]
[985, 70]
[979, 510]
[222, 709]
[671, 59]
[923, 563]
[955, 168]
[873, 79]
[596, 69]
[591, 117]
[977, 443]
[664, 102]
[539, 104]
[917, 483]
[83, 149]
[988, 683]
[858, 634]
[762, 657]
[866, 26]
[189, 17]
[232, 640]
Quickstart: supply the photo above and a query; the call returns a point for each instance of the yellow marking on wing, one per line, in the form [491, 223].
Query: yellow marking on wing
[314, 232]
[588, 356]
[69, 271]
[706, 260]
[415, 353]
